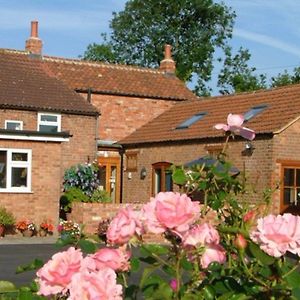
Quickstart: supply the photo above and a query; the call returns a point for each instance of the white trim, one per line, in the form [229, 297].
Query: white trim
[49, 123]
[10, 164]
[33, 138]
[14, 121]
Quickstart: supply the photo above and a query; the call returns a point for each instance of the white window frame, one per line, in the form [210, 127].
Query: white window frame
[14, 121]
[49, 123]
[17, 164]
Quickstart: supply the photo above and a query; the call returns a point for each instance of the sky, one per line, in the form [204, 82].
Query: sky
[270, 29]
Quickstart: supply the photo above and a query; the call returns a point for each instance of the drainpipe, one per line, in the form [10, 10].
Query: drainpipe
[121, 152]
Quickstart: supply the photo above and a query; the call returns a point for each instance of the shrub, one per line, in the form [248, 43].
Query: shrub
[74, 194]
[101, 196]
[6, 217]
[82, 176]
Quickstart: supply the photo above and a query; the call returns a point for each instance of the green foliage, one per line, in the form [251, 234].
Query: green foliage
[285, 78]
[100, 196]
[236, 76]
[6, 217]
[139, 32]
[73, 194]
[82, 176]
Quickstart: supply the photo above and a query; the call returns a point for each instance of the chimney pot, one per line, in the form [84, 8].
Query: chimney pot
[34, 29]
[168, 51]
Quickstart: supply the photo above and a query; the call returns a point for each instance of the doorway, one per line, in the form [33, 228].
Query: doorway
[109, 175]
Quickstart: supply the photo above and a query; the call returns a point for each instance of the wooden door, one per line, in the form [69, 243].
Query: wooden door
[109, 172]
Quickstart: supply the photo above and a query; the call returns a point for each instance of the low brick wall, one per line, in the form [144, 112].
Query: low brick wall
[90, 214]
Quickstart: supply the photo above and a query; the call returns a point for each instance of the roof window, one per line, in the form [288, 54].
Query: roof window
[190, 121]
[254, 111]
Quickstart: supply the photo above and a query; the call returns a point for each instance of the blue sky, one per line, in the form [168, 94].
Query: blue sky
[270, 29]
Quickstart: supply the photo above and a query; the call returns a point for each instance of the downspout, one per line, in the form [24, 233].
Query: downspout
[121, 152]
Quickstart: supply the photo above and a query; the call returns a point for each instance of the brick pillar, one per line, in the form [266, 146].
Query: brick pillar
[34, 44]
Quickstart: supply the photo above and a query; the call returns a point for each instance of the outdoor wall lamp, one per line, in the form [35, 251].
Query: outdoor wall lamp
[143, 173]
[249, 146]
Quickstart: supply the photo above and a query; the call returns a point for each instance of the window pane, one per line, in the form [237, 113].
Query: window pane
[13, 126]
[48, 128]
[48, 118]
[157, 181]
[102, 177]
[289, 196]
[19, 177]
[19, 156]
[289, 177]
[169, 183]
[3, 169]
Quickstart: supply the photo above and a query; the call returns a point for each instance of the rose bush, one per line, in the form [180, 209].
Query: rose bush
[219, 249]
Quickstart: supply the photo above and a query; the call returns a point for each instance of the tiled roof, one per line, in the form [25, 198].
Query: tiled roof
[24, 84]
[283, 107]
[117, 79]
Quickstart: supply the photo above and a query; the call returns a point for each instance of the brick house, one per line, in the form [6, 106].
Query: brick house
[185, 132]
[45, 128]
[127, 97]
[49, 120]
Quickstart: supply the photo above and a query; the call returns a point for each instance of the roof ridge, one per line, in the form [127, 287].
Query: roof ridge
[7, 50]
[99, 64]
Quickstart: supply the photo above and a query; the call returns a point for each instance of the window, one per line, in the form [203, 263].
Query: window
[290, 192]
[254, 111]
[49, 122]
[15, 170]
[13, 125]
[161, 178]
[190, 121]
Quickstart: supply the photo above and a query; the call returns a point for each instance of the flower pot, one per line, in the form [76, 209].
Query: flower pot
[42, 232]
[27, 233]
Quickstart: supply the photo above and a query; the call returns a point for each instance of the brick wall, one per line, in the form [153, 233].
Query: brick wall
[257, 167]
[120, 116]
[42, 202]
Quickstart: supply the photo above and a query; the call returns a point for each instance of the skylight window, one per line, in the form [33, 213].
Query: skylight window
[190, 121]
[254, 111]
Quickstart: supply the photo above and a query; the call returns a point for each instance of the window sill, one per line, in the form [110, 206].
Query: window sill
[12, 191]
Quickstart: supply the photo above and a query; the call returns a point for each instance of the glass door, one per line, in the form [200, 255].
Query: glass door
[109, 173]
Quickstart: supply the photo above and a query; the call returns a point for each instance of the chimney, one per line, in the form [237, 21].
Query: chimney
[168, 64]
[34, 44]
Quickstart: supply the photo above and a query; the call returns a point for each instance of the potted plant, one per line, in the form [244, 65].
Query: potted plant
[26, 227]
[46, 228]
[6, 219]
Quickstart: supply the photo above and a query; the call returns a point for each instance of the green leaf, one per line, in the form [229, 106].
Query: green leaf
[131, 291]
[146, 274]
[260, 255]
[7, 286]
[34, 265]
[149, 260]
[185, 264]
[170, 271]
[178, 176]
[190, 296]
[25, 294]
[135, 264]
[155, 249]
[87, 246]
[296, 293]
[209, 292]
[293, 279]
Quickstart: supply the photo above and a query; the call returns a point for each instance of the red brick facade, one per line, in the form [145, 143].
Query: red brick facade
[262, 168]
[122, 115]
[48, 163]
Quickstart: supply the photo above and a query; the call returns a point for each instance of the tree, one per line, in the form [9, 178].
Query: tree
[236, 76]
[285, 78]
[195, 29]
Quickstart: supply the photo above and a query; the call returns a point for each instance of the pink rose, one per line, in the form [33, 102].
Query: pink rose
[95, 285]
[201, 235]
[170, 211]
[234, 124]
[55, 276]
[116, 259]
[213, 253]
[240, 242]
[278, 234]
[123, 227]
[173, 284]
